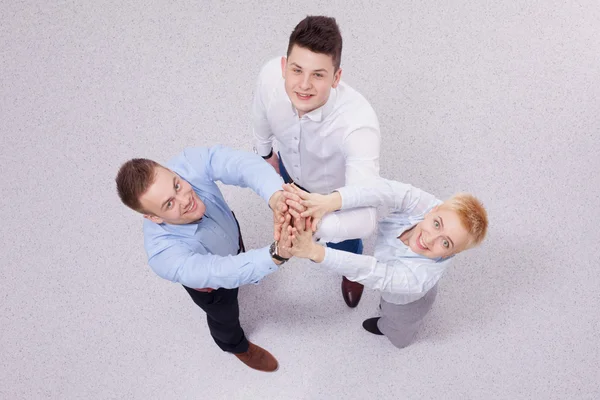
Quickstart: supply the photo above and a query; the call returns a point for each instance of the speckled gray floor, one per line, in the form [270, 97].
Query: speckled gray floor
[495, 97]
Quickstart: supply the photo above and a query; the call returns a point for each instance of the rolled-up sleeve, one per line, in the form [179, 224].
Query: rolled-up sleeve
[236, 167]
[263, 136]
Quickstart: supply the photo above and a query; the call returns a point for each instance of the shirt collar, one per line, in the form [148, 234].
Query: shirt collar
[185, 229]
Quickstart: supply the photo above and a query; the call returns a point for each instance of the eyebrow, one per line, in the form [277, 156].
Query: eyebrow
[169, 199]
[316, 70]
[442, 222]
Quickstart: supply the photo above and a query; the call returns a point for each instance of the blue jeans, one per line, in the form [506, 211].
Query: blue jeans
[351, 245]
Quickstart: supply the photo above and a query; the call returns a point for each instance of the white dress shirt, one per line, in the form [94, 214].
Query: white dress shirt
[335, 145]
[400, 274]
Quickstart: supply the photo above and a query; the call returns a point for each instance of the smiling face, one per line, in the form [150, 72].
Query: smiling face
[171, 199]
[440, 234]
[309, 78]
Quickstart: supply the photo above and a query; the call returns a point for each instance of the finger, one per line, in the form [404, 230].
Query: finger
[308, 224]
[303, 195]
[282, 207]
[276, 232]
[292, 196]
[283, 229]
[287, 188]
[309, 211]
[285, 224]
[300, 223]
[295, 205]
[294, 214]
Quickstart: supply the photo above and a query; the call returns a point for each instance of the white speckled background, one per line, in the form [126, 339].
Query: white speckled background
[495, 97]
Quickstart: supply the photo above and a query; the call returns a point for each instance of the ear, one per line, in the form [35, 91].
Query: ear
[153, 218]
[283, 65]
[336, 78]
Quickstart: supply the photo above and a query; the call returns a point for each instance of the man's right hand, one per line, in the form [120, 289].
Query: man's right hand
[274, 161]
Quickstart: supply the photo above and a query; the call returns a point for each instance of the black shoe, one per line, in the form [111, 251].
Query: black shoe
[371, 325]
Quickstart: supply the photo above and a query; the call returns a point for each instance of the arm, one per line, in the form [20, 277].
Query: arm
[178, 263]
[362, 148]
[393, 277]
[401, 197]
[398, 196]
[263, 136]
[234, 167]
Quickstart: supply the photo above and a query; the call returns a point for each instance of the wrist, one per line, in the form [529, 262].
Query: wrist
[255, 149]
[317, 253]
[268, 155]
[275, 254]
[276, 261]
[335, 202]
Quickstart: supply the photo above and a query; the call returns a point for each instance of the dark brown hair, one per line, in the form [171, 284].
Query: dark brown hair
[318, 34]
[134, 179]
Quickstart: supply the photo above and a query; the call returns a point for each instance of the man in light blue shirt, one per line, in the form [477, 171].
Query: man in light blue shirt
[192, 237]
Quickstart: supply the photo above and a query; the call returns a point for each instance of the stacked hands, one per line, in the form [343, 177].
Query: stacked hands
[296, 216]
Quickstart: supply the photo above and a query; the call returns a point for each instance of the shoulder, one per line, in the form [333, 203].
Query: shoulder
[155, 236]
[270, 74]
[354, 109]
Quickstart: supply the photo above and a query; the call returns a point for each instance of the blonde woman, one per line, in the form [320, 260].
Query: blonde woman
[415, 245]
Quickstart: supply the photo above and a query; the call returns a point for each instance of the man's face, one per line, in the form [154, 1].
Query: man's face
[309, 78]
[440, 234]
[171, 199]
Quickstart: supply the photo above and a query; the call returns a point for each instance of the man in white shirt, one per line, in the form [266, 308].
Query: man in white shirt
[327, 133]
[415, 245]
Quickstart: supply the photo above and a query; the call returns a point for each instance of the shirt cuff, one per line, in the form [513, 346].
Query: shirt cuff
[263, 149]
[331, 259]
[349, 198]
[272, 186]
[266, 263]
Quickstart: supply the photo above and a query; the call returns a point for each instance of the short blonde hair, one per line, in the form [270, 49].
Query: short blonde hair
[472, 215]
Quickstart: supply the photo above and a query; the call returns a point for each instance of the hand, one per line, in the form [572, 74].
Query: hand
[274, 161]
[277, 204]
[310, 204]
[303, 245]
[285, 241]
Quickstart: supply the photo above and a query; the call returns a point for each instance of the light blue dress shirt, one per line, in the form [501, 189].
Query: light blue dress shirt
[204, 254]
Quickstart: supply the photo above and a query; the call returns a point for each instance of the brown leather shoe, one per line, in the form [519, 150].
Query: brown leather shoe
[258, 358]
[352, 292]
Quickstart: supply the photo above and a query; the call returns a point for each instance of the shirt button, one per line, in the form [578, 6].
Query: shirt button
[295, 138]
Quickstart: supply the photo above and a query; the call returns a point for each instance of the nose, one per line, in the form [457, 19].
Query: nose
[305, 83]
[430, 238]
[183, 199]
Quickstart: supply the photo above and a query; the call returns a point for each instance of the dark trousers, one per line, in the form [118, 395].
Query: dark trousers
[352, 245]
[223, 317]
[223, 314]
